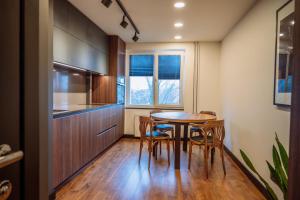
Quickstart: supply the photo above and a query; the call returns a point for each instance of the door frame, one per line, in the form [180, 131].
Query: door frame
[36, 100]
[294, 154]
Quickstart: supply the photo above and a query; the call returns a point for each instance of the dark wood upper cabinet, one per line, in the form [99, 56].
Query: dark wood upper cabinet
[105, 87]
[77, 41]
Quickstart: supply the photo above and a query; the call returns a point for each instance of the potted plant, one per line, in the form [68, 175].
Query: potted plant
[278, 171]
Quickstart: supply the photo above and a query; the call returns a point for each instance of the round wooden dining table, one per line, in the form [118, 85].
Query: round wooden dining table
[181, 119]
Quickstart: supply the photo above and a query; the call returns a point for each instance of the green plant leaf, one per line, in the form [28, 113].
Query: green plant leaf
[274, 175]
[251, 166]
[247, 161]
[279, 169]
[283, 154]
[271, 192]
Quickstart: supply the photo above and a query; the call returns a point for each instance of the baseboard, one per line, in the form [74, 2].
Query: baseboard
[252, 178]
[130, 136]
[52, 195]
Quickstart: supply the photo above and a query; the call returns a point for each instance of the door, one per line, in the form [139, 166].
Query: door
[10, 121]
[294, 167]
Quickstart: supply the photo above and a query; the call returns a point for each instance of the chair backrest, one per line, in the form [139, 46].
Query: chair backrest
[218, 130]
[145, 121]
[208, 113]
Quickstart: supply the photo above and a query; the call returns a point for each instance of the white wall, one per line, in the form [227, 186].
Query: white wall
[247, 72]
[208, 98]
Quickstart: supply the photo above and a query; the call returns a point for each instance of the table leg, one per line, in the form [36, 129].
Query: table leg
[185, 137]
[177, 145]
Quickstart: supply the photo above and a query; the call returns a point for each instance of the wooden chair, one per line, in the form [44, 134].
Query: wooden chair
[152, 137]
[164, 128]
[213, 133]
[195, 129]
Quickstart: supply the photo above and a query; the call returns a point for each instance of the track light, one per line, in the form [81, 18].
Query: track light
[135, 37]
[124, 23]
[106, 3]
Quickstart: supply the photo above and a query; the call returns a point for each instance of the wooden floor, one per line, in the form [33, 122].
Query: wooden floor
[117, 175]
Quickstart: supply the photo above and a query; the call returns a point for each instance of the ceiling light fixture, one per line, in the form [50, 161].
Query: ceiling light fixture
[130, 21]
[281, 34]
[292, 22]
[135, 37]
[179, 5]
[124, 24]
[178, 37]
[106, 3]
[178, 24]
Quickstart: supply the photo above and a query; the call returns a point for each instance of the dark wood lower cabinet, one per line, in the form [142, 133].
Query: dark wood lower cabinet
[79, 138]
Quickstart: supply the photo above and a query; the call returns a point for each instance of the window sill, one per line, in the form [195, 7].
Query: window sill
[154, 107]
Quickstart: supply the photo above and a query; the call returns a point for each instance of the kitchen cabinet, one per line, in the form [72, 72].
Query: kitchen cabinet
[77, 41]
[111, 89]
[77, 139]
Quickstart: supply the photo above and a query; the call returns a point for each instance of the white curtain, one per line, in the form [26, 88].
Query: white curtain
[196, 76]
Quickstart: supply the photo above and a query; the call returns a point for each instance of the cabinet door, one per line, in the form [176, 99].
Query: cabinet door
[75, 142]
[121, 62]
[61, 150]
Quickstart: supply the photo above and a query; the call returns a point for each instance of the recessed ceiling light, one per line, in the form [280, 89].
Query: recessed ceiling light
[178, 24]
[281, 34]
[179, 5]
[178, 37]
[75, 74]
[292, 22]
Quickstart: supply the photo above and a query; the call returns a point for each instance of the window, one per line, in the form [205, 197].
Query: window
[169, 79]
[155, 79]
[141, 79]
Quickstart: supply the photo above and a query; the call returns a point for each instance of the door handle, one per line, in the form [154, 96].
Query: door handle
[8, 158]
[5, 189]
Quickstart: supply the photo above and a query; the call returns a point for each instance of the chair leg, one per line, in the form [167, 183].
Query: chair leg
[168, 149]
[160, 147]
[212, 155]
[149, 150]
[206, 161]
[173, 139]
[156, 145]
[223, 161]
[141, 147]
[190, 154]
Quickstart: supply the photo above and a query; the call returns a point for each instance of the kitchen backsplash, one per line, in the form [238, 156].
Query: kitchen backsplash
[70, 86]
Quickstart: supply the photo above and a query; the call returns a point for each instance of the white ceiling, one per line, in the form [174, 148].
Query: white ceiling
[204, 20]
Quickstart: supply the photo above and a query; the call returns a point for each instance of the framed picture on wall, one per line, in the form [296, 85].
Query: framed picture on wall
[284, 54]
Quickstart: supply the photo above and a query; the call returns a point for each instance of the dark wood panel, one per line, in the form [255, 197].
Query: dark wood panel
[77, 139]
[294, 167]
[10, 88]
[105, 87]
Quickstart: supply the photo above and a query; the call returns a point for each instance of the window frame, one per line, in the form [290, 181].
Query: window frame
[155, 88]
